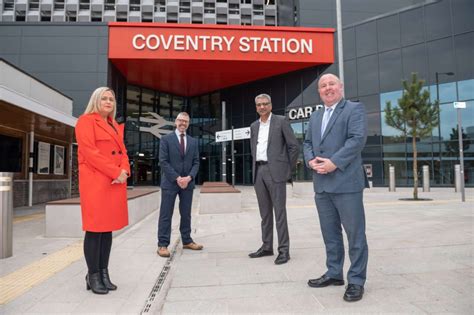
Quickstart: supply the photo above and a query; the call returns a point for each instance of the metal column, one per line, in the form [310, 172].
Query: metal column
[426, 178]
[6, 214]
[391, 174]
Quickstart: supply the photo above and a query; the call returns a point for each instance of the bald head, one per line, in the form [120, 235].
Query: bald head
[330, 89]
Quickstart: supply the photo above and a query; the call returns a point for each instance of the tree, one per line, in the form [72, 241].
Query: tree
[415, 117]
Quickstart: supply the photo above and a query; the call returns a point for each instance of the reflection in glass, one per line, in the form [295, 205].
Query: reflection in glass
[447, 92]
[391, 97]
[466, 90]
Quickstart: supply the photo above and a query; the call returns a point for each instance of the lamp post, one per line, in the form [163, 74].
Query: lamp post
[437, 74]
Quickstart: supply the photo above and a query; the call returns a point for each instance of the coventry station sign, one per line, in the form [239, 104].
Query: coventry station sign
[256, 44]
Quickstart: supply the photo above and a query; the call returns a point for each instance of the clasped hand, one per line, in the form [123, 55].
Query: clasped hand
[322, 165]
[183, 181]
[122, 178]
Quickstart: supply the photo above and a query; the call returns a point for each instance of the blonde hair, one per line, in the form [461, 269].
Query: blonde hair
[94, 102]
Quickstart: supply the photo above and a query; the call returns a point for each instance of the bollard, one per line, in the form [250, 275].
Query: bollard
[6, 214]
[426, 178]
[457, 178]
[391, 174]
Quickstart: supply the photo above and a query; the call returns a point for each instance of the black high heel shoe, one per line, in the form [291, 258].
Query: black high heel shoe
[104, 274]
[94, 283]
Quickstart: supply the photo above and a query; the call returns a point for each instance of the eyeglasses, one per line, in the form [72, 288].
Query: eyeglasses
[182, 120]
[263, 104]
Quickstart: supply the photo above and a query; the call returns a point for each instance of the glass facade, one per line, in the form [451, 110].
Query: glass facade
[432, 39]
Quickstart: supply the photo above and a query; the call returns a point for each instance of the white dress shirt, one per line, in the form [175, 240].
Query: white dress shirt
[262, 140]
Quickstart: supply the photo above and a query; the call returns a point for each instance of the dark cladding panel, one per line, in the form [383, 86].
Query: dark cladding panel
[388, 33]
[441, 57]
[349, 43]
[286, 9]
[45, 44]
[9, 45]
[58, 63]
[414, 59]
[368, 75]
[463, 16]
[310, 87]
[66, 29]
[438, 20]
[350, 79]
[464, 46]
[412, 27]
[390, 69]
[366, 39]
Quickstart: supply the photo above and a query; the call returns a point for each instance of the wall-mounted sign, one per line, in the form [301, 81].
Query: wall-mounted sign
[43, 157]
[156, 130]
[302, 112]
[239, 134]
[58, 160]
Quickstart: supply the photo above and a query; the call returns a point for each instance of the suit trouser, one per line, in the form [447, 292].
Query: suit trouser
[272, 195]
[168, 198]
[346, 209]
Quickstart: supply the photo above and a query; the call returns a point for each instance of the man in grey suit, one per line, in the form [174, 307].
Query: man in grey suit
[332, 149]
[179, 162]
[274, 151]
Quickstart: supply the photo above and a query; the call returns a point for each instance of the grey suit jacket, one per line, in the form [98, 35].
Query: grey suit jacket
[173, 164]
[342, 142]
[282, 150]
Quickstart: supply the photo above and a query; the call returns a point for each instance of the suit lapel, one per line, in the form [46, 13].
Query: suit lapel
[175, 140]
[319, 120]
[337, 111]
[270, 131]
[255, 138]
[188, 144]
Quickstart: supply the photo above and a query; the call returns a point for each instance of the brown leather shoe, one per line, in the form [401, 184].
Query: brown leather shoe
[193, 246]
[163, 252]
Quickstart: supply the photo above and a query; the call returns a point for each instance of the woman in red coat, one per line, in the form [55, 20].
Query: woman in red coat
[103, 172]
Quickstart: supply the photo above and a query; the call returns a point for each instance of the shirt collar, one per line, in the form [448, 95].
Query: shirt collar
[268, 120]
[333, 106]
[176, 131]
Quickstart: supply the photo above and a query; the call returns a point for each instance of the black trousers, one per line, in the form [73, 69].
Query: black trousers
[97, 246]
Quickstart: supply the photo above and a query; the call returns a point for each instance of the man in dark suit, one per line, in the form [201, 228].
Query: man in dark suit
[274, 151]
[332, 148]
[179, 161]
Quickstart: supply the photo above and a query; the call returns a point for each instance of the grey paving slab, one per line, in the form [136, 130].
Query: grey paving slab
[420, 262]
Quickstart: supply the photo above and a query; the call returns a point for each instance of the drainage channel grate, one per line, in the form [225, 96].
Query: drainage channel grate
[160, 281]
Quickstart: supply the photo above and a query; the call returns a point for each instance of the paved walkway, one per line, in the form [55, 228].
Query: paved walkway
[420, 261]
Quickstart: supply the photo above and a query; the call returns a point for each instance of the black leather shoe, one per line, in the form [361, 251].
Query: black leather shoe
[353, 293]
[94, 283]
[282, 258]
[260, 253]
[104, 273]
[324, 281]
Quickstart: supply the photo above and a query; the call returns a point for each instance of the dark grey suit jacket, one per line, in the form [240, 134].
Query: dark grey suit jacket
[282, 150]
[173, 164]
[342, 142]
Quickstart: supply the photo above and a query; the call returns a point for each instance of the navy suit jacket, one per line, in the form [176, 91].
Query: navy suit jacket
[342, 142]
[173, 164]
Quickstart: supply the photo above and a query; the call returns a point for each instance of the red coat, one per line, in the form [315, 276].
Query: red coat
[101, 156]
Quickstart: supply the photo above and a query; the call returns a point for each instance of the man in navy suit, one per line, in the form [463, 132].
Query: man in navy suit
[332, 148]
[179, 161]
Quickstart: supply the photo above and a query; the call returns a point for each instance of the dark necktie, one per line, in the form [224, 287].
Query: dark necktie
[181, 143]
